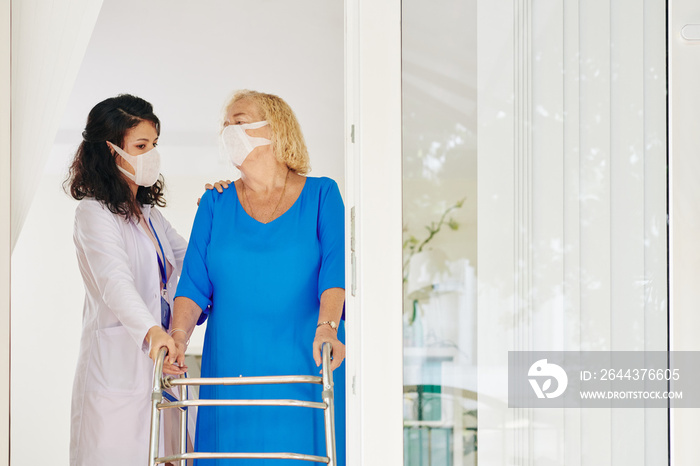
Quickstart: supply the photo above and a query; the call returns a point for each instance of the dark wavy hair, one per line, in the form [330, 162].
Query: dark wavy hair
[94, 171]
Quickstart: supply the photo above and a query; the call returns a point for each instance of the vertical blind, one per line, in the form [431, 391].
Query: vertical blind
[572, 215]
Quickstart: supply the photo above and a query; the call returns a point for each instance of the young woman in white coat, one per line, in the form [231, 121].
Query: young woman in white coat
[130, 259]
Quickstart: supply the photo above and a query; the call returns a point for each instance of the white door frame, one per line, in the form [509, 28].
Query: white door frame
[5, 231]
[374, 232]
[684, 170]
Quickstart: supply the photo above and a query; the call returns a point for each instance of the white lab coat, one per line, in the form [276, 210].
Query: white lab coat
[110, 413]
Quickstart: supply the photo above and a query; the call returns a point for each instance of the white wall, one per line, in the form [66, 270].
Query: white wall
[185, 58]
[5, 251]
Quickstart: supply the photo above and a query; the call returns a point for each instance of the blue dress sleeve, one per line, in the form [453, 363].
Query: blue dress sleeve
[331, 235]
[194, 282]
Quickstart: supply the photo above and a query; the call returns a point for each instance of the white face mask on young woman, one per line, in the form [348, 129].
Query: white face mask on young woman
[146, 166]
[237, 144]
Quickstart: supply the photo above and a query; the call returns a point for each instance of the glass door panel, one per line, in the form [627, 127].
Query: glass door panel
[541, 126]
[440, 248]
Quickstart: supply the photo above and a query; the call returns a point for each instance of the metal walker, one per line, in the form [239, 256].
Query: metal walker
[159, 401]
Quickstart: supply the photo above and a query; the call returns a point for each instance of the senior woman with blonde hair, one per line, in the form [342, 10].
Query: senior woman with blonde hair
[266, 263]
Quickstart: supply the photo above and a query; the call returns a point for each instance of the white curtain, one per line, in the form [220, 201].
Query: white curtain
[49, 39]
[572, 215]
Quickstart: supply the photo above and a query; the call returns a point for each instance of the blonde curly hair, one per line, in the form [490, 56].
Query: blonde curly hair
[287, 139]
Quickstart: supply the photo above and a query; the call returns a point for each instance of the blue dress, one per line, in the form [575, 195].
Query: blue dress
[261, 286]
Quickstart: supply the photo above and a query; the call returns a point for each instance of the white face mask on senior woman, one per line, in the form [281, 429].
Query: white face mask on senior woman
[238, 144]
[146, 166]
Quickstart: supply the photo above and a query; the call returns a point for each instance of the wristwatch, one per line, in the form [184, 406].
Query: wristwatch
[333, 325]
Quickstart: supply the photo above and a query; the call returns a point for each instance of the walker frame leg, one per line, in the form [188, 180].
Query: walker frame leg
[156, 399]
[329, 412]
[183, 425]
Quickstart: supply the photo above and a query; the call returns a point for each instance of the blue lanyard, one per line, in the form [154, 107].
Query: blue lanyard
[161, 266]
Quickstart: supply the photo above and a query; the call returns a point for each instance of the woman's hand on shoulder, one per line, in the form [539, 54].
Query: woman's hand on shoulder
[325, 333]
[157, 338]
[219, 186]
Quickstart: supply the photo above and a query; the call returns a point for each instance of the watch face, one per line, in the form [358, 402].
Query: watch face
[334, 325]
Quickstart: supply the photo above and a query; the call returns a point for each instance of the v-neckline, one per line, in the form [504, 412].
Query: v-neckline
[301, 193]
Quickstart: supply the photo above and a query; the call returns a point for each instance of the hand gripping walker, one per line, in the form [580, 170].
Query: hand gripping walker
[159, 402]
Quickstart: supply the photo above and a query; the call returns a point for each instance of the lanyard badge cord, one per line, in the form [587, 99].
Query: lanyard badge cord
[164, 305]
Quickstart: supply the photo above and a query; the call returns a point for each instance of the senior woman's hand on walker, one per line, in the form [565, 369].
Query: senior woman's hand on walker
[331, 309]
[157, 338]
[185, 315]
[181, 345]
[326, 334]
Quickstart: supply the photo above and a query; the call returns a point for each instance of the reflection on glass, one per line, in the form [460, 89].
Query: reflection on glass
[439, 179]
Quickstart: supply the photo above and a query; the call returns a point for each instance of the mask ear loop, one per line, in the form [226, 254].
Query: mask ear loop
[115, 154]
[116, 151]
[255, 141]
[111, 148]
